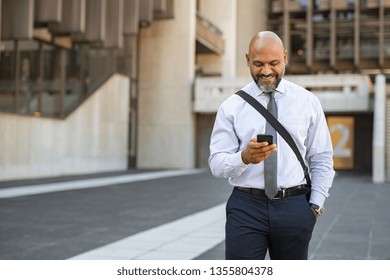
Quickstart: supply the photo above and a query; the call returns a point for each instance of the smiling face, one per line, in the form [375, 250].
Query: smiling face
[266, 60]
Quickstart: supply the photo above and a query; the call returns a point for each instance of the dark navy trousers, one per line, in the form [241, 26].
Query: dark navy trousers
[255, 224]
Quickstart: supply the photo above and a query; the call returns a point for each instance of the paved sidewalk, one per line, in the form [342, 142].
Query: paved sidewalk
[355, 225]
[61, 218]
[180, 215]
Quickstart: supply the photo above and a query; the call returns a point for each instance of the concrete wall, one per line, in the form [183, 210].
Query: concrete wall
[166, 122]
[92, 139]
[251, 18]
[239, 21]
[166, 132]
[223, 15]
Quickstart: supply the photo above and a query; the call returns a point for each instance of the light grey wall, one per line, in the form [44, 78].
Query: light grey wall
[92, 139]
[166, 132]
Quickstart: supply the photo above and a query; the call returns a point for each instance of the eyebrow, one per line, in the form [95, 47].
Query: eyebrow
[271, 62]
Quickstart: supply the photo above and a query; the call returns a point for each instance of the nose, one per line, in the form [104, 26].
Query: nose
[266, 70]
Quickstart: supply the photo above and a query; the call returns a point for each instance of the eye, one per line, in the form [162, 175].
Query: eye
[274, 63]
[257, 64]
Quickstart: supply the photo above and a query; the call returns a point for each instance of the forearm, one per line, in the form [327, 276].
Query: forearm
[225, 165]
[322, 174]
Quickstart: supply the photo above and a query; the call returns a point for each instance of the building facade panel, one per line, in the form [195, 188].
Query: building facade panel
[92, 139]
[166, 134]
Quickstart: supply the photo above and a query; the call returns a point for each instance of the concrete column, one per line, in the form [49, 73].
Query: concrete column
[309, 35]
[333, 34]
[166, 135]
[223, 14]
[381, 41]
[286, 27]
[17, 19]
[251, 19]
[356, 36]
[379, 133]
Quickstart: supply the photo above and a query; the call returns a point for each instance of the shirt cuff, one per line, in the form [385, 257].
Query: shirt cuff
[317, 198]
[236, 164]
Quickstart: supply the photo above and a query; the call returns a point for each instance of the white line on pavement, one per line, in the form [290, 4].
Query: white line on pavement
[93, 183]
[182, 239]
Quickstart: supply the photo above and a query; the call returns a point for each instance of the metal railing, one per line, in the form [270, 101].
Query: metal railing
[46, 81]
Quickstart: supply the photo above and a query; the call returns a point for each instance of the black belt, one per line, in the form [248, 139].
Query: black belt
[282, 193]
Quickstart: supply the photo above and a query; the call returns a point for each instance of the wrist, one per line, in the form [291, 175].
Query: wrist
[317, 210]
[314, 212]
[243, 158]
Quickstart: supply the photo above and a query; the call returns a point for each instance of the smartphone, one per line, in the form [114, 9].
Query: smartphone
[265, 138]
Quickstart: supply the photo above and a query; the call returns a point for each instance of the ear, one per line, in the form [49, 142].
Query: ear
[247, 59]
[285, 57]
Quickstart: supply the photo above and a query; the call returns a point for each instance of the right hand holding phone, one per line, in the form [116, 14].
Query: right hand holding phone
[255, 152]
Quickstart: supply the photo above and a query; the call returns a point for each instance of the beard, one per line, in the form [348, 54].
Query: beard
[264, 87]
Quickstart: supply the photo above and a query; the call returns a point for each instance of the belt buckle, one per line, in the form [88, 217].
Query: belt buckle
[283, 195]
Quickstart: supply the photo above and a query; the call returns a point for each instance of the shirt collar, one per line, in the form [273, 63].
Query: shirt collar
[279, 90]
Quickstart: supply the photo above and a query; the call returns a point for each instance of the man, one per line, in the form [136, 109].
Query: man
[282, 223]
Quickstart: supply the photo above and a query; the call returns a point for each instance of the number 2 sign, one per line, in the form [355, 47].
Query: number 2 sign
[342, 133]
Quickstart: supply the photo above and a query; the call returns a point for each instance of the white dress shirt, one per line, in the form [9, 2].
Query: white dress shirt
[300, 112]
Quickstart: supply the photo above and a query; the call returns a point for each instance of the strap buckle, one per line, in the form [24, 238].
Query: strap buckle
[282, 196]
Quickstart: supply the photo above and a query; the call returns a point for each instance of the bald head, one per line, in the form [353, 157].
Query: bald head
[265, 38]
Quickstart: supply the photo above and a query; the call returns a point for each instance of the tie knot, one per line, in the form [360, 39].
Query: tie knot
[270, 94]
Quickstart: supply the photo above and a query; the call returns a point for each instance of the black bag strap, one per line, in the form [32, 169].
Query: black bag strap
[279, 128]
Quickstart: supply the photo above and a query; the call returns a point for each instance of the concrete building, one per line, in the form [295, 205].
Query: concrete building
[96, 85]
